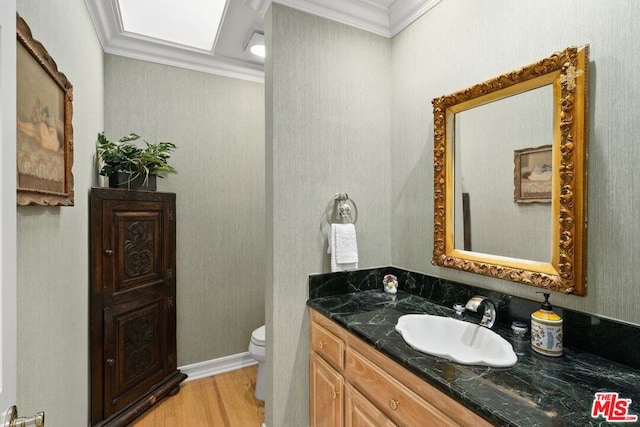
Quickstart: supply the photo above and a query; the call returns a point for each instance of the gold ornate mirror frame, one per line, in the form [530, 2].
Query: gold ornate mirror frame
[568, 72]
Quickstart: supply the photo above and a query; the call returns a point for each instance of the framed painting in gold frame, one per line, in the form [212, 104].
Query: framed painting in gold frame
[44, 145]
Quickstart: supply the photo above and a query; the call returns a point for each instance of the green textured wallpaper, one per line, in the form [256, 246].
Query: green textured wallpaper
[328, 124]
[53, 242]
[458, 44]
[218, 125]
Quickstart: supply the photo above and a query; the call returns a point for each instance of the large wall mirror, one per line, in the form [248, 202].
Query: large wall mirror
[510, 175]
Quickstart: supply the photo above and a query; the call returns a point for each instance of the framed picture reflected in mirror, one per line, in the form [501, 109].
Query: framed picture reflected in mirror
[533, 174]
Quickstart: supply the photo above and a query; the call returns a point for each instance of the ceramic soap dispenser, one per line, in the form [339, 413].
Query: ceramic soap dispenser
[546, 330]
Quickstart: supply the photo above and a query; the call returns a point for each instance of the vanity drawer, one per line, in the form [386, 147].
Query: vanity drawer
[397, 401]
[329, 346]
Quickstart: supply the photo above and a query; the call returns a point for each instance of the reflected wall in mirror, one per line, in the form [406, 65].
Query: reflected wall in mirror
[529, 123]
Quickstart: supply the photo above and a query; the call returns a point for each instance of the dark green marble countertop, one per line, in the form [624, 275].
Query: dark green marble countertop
[537, 391]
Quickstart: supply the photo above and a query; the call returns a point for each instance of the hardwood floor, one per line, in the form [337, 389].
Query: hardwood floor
[224, 400]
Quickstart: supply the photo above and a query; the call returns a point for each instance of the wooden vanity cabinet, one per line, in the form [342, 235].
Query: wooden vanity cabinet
[132, 303]
[327, 387]
[326, 381]
[359, 412]
[373, 390]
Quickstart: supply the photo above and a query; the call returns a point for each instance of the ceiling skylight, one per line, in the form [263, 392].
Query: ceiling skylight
[191, 23]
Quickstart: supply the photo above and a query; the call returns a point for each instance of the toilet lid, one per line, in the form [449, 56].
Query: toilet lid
[257, 336]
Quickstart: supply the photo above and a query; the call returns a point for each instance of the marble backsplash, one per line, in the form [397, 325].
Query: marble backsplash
[606, 338]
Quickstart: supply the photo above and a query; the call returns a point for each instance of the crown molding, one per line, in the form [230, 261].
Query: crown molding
[146, 49]
[403, 12]
[365, 15]
[104, 16]
[259, 6]
[368, 15]
[106, 20]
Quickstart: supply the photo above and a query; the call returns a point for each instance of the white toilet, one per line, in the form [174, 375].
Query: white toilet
[257, 351]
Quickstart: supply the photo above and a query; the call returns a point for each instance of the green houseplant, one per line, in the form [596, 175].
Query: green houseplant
[128, 165]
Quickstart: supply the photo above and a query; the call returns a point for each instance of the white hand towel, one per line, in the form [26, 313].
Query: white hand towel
[343, 247]
[346, 244]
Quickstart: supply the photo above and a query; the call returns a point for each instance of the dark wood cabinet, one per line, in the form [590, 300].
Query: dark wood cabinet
[132, 307]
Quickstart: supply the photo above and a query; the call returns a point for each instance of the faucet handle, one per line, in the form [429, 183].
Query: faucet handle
[489, 315]
[459, 310]
[474, 302]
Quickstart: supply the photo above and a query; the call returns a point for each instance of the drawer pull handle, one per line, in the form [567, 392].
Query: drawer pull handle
[334, 393]
[393, 404]
[322, 344]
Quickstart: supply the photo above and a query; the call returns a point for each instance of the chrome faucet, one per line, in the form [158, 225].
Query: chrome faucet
[489, 314]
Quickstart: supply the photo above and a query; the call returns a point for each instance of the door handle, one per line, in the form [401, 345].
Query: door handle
[13, 420]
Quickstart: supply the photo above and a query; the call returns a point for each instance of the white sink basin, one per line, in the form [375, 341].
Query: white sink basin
[453, 339]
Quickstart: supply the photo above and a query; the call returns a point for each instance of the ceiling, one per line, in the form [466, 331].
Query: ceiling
[240, 19]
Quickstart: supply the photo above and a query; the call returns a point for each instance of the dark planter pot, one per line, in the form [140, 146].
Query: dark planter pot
[123, 180]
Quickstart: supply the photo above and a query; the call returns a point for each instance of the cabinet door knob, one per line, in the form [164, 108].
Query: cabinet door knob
[110, 361]
[393, 404]
[334, 393]
[108, 252]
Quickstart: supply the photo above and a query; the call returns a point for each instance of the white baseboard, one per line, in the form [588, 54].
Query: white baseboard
[221, 365]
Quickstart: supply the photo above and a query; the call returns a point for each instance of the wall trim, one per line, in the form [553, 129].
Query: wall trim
[259, 6]
[402, 13]
[365, 15]
[114, 40]
[207, 368]
[368, 15]
[142, 48]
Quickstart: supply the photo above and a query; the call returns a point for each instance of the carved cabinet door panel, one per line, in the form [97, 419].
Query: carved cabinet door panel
[135, 349]
[133, 313]
[138, 248]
